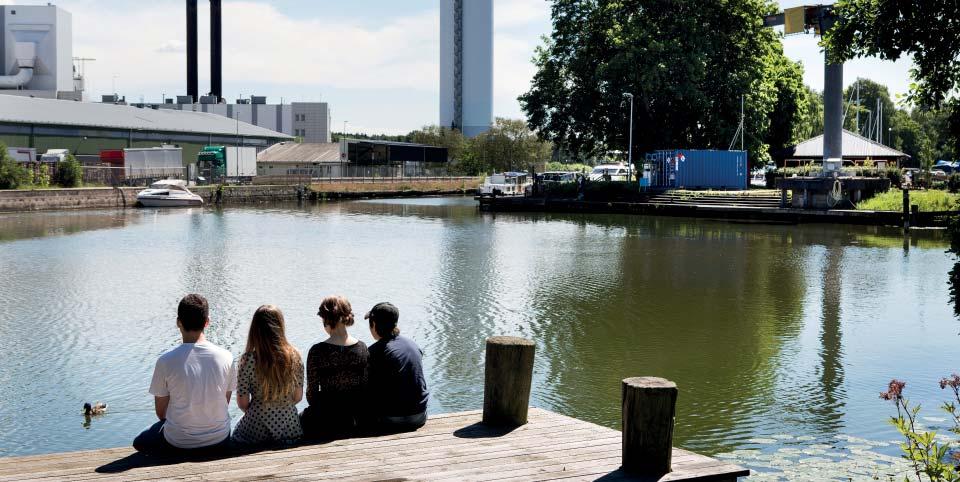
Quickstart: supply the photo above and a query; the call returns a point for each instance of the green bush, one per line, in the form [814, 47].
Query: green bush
[560, 166]
[895, 175]
[12, 174]
[69, 172]
[42, 177]
[564, 190]
[953, 182]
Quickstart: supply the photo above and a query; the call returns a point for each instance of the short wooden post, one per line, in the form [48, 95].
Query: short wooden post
[507, 380]
[649, 409]
[906, 209]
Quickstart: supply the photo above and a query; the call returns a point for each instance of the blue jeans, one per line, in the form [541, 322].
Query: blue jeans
[152, 441]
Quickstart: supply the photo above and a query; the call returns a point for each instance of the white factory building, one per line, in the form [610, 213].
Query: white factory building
[309, 121]
[36, 52]
[466, 65]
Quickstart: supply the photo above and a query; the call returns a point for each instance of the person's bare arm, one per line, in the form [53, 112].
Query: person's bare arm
[160, 405]
[243, 401]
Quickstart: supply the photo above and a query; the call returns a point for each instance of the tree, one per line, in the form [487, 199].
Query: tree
[924, 29]
[508, 145]
[870, 93]
[687, 62]
[69, 172]
[812, 123]
[12, 174]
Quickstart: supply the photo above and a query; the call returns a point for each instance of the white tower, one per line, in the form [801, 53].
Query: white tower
[466, 65]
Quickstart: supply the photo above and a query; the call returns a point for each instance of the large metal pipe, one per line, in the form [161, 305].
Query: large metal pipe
[216, 51]
[833, 111]
[15, 81]
[193, 84]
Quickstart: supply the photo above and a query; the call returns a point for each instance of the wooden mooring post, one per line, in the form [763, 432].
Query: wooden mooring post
[508, 377]
[649, 411]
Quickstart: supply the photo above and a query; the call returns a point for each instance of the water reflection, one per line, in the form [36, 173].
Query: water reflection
[828, 396]
[753, 322]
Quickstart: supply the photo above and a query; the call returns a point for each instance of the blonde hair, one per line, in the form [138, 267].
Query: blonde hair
[275, 359]
[335, 310]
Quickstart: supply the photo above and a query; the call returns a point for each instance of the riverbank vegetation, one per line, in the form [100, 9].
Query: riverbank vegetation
[931, 200]
[14, 175]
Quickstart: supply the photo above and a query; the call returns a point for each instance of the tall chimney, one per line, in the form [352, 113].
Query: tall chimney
[216, 51]
[193, 88]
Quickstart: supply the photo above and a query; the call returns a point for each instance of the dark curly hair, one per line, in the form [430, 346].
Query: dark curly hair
[335, 310]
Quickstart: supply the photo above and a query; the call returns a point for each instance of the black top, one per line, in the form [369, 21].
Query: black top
[336, 375]
[396, 384]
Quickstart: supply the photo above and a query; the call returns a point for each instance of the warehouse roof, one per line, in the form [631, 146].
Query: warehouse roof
[29, 110]
[854, 146]
[292, 152]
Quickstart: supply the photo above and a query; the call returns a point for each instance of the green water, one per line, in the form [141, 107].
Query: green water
[779, 337]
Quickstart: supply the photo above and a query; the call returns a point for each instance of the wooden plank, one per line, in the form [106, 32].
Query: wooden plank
[325, 450]
[416, 457]
[450, 447]
[437, 426]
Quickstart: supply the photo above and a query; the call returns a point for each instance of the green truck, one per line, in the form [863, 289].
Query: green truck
[227, 163]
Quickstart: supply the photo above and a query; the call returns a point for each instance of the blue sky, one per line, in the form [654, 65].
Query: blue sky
[375, 61]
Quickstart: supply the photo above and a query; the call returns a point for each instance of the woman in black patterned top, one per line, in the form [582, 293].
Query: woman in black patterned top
[269, 383]
[336, 375]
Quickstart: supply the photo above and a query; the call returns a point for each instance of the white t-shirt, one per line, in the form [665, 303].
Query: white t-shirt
[196, 377]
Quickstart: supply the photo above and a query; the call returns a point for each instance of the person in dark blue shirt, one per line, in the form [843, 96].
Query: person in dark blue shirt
[396, 388]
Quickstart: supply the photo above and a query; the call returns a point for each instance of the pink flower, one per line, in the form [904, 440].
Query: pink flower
[952, 382]
[894, 390]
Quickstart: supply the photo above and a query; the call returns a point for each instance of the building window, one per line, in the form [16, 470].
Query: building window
[303, 117]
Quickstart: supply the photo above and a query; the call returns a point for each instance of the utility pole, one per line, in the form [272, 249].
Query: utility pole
[858, 105]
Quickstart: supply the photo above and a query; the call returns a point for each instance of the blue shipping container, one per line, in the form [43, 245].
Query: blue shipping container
[697, 169]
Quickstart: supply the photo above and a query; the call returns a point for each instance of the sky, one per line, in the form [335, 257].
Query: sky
[375, 61]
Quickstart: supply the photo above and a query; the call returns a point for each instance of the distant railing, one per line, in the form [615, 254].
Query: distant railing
[304, 180]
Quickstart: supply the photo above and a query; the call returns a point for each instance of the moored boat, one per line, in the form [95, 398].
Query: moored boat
[168, 193]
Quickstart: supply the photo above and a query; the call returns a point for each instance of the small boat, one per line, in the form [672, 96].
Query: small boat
[168, 193]
[610, 172]
[506, 184]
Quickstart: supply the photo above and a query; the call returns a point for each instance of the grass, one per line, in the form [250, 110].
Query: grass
[931, 200]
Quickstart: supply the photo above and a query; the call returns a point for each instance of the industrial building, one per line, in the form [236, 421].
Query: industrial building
[352, 158]
[466, 65]
[36, 52]
[309, 121]
[87, 128]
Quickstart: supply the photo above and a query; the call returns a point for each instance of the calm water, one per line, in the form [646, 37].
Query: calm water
[768, 330]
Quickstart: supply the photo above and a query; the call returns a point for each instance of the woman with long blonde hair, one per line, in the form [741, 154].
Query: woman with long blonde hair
[336, 374]
[269, 382]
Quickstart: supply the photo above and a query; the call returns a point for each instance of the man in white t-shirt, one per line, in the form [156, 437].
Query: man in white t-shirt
[192, 385]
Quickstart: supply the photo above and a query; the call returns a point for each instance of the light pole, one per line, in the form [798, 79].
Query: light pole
[630, 146]
[346, 147]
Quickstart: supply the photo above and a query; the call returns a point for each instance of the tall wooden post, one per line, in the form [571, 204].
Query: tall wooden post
[649, 410]
[507, 380]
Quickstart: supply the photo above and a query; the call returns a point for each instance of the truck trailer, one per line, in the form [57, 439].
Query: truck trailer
[144, 164]
[229, 163]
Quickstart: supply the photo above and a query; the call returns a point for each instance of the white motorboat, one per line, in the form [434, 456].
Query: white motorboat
[610, 172]
[169, 193]
[506, 184]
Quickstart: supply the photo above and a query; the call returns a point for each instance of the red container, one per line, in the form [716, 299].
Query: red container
[113, 157]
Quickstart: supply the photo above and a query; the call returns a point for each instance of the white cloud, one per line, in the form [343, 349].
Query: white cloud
[261, 46]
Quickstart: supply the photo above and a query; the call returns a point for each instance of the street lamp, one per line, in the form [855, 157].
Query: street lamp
[889, 136]
[346, 147]
[630, 147]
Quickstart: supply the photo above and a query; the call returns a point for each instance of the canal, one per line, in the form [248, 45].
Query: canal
[779, 337]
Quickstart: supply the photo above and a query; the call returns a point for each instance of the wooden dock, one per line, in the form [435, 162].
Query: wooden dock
[451, 447]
